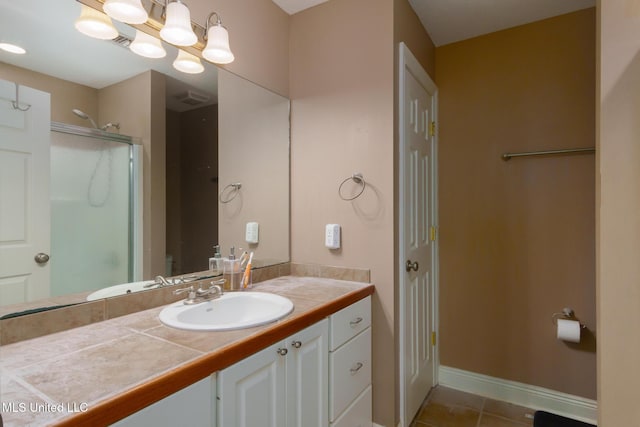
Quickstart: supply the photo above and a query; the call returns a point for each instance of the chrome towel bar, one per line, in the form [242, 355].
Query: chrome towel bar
[508, 156]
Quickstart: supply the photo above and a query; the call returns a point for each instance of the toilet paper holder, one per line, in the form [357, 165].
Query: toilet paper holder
[566, 313]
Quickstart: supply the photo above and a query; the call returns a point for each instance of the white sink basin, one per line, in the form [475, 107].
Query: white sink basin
[233, 310]
[115, 290]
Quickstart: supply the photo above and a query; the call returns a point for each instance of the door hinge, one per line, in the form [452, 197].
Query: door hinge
[432, 234]
[433, 338]
[432, 128]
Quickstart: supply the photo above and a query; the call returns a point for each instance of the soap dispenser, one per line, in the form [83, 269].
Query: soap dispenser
[215, 263]
[231, 271]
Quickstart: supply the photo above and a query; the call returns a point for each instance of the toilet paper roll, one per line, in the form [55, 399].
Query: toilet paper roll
[568, 330]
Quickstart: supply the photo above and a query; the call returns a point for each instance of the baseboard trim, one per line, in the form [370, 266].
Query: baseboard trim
[535, 397]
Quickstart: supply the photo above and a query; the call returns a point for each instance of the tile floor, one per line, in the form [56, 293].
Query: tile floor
[446, 407]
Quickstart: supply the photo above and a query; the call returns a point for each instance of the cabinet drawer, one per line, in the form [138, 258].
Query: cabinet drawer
[348, 322]
[349, 372]
[358, 414]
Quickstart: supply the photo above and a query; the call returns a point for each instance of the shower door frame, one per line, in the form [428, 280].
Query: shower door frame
[134, 200]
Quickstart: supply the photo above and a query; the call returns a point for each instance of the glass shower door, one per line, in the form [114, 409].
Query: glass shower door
[90, 212]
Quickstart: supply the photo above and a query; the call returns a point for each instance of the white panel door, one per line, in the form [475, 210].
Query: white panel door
[251, 393]
[418, 149]
[307, 377]
[24, 194]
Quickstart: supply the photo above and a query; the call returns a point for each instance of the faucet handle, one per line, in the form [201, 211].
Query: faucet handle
[218, 282]
[183, 290]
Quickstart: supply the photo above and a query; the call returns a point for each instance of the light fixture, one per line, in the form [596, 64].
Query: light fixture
[147, 46]
[127, 11]
[188, 63]
[95, 24]
[12, 48]
[177, 27]
[217, 36]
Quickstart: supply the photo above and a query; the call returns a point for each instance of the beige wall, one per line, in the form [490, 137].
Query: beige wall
[517, 238]
[65, 95]
[138, 104]
[342, 122]
[258, 36]
[407, 28]
[618, 203]
[254, 144]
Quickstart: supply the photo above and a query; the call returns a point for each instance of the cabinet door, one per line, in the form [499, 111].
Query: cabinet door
[251, 393]
[307, 377]
[193, 406]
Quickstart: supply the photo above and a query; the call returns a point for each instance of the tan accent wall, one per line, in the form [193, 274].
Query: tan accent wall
[65, 95]
[618, 204]
[258, 36]
[517, 238]
[138, 104]
[342, 122]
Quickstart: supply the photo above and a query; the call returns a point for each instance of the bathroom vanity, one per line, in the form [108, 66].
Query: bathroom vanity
[312, 365]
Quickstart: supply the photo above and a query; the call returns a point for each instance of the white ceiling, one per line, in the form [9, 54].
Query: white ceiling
[449, 21]
[295, 6]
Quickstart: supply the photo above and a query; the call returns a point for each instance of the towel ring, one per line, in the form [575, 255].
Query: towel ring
[358, 179]
[233, 193]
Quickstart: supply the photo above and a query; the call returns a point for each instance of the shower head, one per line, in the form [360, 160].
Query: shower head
[84, 116]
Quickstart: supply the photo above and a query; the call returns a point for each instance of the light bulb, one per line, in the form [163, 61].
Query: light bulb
[217, 49]
[128, 11]
[188, 63]
[177, 27]
[147, 46]
[95, 24]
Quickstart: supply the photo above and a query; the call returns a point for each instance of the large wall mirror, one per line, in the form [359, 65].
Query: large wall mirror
[184, 163]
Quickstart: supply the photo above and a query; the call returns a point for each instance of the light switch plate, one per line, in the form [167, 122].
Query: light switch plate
[332, 236]
[251, 233]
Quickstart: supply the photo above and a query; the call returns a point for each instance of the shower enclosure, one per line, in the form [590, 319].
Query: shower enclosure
[93, 200]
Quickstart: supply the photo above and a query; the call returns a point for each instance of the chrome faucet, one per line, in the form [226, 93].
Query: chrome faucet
[199, 295]
[160, 282]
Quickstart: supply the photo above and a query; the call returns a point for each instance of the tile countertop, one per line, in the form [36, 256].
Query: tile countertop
[99, 373]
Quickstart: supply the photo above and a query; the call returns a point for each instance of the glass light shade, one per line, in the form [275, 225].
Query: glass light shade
[128, 11]
[147, 46]
[95, 24]
[188, 63]
[177, 27]
[217, 49]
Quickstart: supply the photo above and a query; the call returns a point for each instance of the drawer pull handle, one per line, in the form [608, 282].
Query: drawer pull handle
[356, 322]
[296, 344]
[355, 370]
[282, 351]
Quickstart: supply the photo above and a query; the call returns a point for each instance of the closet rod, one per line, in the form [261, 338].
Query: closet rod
[508, 156]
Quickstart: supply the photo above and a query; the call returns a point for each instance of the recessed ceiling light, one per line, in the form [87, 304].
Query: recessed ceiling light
[12, 48]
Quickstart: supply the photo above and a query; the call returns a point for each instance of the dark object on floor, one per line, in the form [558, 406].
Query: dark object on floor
[546, 419]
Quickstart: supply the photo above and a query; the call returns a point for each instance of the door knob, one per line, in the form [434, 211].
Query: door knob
[41, 258]
[412, 265]
[297, 344]
[282, 351]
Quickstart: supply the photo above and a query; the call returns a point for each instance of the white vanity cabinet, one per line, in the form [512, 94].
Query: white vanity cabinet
[282, 385]
[350, 366]
[190, 406]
